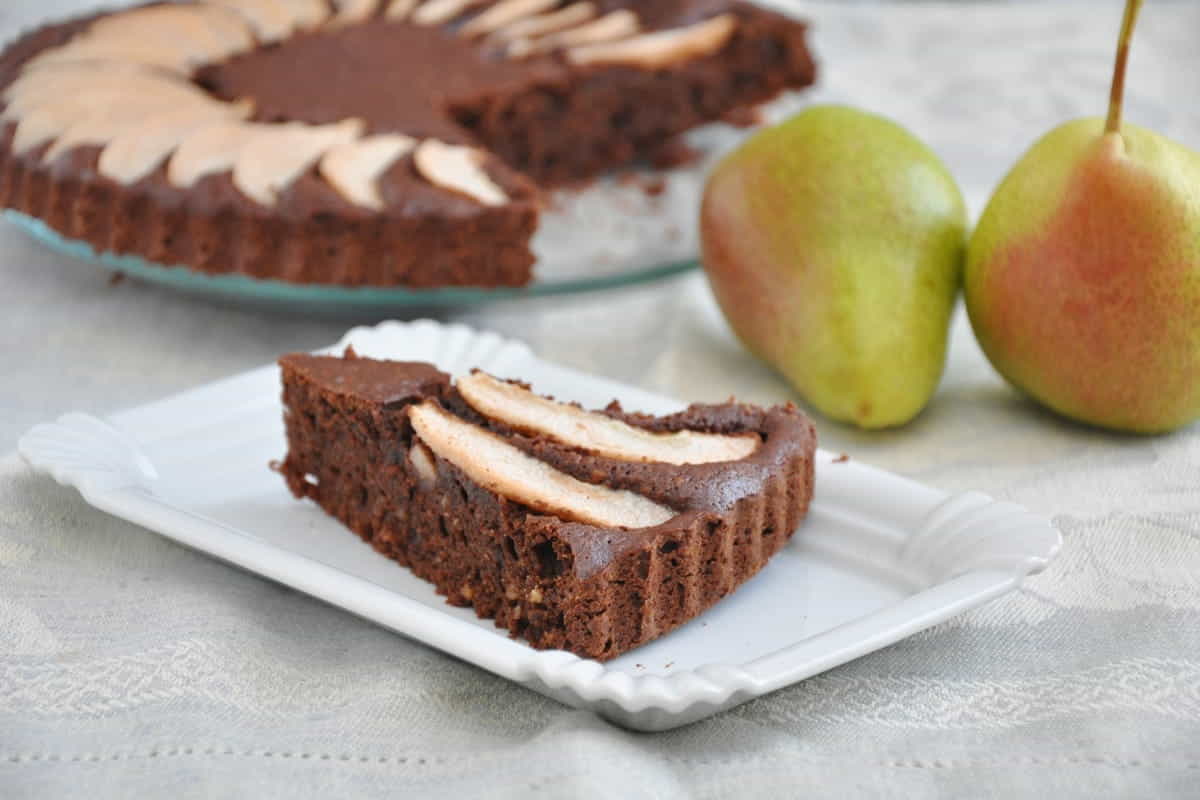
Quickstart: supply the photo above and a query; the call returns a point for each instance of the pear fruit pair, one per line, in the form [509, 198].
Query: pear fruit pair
[834, 245]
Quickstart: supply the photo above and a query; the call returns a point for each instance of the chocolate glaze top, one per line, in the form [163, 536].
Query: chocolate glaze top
[395, 76]
[384, 383]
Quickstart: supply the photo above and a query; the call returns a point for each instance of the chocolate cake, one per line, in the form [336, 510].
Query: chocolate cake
[361, 142]
[592, 532]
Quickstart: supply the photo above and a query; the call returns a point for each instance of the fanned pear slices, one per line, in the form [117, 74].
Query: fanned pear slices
[208, 150]
[542, 24]
[400, 9]
[205, 31]
[504, 13]
[308, 14]
[662, 48]
[269, 162]
[49, 102]
[84, 49]
[525, 411]
[350, 12]
[613, 26]
[353, 169]
[270, 20]
[135, 153]
[500, 467]
[459, 169]
[107, 121]
[265, 158]
[52, 82]
[172, 36]
[439, 12]
[80, 86]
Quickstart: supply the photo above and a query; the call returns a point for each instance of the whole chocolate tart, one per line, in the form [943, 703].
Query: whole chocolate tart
[361, 142]
[587, 531]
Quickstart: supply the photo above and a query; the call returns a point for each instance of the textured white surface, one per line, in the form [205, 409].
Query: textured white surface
[132, 667]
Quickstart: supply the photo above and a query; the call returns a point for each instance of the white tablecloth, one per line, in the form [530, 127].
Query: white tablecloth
[132, 667]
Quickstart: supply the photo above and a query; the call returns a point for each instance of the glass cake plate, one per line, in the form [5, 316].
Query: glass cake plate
[878, 558]
[632, 227]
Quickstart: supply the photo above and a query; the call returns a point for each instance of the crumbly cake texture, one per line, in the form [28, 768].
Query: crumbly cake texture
[361, 142]
[592, 532]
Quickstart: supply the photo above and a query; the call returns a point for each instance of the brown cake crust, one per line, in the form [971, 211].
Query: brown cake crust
[594, 591]
[541, 117]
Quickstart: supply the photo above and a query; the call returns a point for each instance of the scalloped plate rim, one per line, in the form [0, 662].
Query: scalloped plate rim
[644, 702]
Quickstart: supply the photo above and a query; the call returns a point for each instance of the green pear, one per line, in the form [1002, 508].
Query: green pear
[1083, 275]
[834, 245]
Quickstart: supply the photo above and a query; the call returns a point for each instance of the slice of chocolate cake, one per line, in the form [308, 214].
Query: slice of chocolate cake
[592, 532]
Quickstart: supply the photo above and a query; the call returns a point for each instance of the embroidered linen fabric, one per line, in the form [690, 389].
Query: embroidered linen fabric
[130, 666]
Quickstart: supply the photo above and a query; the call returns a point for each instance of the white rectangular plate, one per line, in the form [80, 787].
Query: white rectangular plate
[878, 558]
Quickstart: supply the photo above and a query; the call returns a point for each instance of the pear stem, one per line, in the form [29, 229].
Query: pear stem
[1117, 94]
